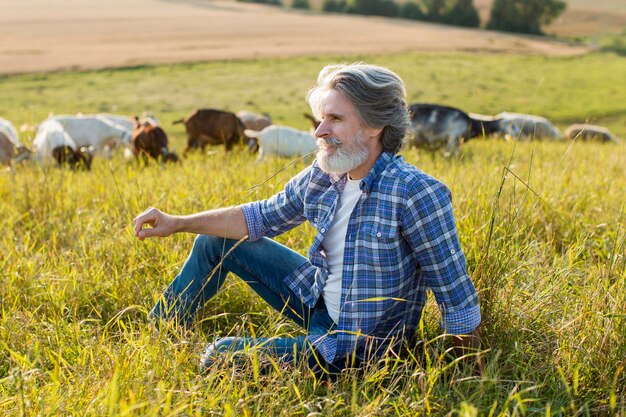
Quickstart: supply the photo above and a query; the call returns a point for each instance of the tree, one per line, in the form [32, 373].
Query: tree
[411, 10]
[463, 13]
[373, 7]
[338, 6]
[301, 4]
[452, 12]
[270, 2]
[524, 16]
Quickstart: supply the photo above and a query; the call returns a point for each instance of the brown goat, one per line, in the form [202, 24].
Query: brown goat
[212, 127]
[75, 159]
[150, 141]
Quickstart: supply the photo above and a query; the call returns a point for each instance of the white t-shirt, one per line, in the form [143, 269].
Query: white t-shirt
[334, 243]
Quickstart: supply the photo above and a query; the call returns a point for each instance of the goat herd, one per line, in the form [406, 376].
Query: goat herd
[435, 126]
[72, 140]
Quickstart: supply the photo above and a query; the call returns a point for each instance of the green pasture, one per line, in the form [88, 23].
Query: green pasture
[543, 227]
[589, 88]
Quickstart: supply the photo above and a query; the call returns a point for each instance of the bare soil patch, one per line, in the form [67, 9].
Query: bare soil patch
[40, 35]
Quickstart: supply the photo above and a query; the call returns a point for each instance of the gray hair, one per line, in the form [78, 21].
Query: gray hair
[377, 93]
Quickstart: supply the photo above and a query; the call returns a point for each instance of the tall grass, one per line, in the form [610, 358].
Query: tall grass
[542, 225]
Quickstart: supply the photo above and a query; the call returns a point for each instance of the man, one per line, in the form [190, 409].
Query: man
[385, 234]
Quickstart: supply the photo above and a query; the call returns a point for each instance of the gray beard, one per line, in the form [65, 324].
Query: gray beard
[342, 160]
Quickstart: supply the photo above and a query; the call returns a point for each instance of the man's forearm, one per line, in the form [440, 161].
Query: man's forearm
[226, 222]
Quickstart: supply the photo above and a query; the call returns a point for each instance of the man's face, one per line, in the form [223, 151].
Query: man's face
[342, 136]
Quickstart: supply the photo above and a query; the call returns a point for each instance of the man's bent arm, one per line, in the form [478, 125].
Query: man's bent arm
[224, 222]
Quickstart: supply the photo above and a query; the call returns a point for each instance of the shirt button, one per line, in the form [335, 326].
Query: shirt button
[315, 220]
[452, 251]
[379, 234]
[323, 230]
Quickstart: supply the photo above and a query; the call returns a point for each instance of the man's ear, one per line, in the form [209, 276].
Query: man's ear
[374, 132]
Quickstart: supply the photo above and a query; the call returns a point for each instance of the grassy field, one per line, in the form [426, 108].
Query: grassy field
[566, 90]
[542, 226]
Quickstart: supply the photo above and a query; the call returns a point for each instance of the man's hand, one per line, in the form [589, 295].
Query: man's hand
[469, 345]
[161, 224]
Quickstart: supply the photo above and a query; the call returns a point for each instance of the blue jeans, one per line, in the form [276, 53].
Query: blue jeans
[262, 265]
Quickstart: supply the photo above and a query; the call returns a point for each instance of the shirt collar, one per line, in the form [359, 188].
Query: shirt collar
[367, 184]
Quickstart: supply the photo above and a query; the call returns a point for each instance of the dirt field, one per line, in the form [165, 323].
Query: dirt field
[43, 35]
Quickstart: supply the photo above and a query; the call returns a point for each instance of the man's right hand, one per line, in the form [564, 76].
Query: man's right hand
[160, 224]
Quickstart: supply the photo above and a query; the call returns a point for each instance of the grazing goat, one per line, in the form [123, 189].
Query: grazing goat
[150, 141]
[435, 126]
[483, 125]
[10, 146]
[52, 141]
[212, 127]
[590, 132]
[101, 132]
[125, 122]
[253, 121]
[75, 159]
[283, 141]
[527, 126]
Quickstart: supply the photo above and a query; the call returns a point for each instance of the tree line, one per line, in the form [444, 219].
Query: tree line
[521, 16]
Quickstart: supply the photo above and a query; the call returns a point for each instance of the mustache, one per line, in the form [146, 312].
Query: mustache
[332, 141]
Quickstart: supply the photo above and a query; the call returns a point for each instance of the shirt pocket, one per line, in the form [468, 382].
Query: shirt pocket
[380, 246]
[318, 215]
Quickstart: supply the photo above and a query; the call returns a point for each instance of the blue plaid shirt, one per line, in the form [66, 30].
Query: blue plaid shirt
[401, 241]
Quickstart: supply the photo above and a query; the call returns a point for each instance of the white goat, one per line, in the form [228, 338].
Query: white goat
[101, 132]
[590, 132]
[527, 126]
[283, 141]
[50, 136]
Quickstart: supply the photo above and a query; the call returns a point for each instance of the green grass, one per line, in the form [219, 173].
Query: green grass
[614, 42]
[542, 225]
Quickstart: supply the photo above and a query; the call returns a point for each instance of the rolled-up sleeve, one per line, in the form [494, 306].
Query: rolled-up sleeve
[252, 214]
[462, 321]
[433, 236]
[279, 213]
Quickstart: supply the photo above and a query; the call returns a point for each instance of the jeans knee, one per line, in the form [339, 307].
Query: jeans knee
[219, 347]
[208, 245]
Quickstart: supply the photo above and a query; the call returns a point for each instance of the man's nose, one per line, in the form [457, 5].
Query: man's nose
[322, 130]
